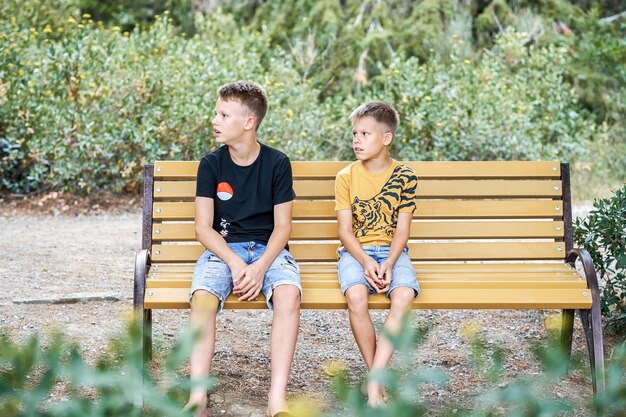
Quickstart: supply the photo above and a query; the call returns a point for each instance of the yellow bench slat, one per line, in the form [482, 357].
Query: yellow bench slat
[320, 230]
[417, 251]
[432, 169]
[420, 268]
[426, 209]
[435, 298]
[325, 189]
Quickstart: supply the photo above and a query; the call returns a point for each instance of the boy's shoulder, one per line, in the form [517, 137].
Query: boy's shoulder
[273, 153]
[403, 169]
[348, 169]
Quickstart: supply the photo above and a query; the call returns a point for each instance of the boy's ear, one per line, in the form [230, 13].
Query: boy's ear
[250, 123]
[387, 138]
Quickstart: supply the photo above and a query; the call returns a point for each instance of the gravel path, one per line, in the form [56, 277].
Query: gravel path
[93, 256]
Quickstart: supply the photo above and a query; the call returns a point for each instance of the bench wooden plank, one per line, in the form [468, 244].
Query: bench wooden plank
[420, 267]
[165, 232]
[424, 169]
[439, 298]
[325, 189]
[417, 251]
[426, 209]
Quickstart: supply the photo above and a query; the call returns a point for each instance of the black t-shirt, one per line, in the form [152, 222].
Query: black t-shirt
[244, 196]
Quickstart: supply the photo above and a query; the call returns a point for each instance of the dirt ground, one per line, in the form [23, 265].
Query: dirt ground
[63, 247]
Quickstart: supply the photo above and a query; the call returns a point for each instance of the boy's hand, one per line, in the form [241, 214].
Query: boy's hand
[371, 272]
[384, 275]
[236, 270]
[249, 282]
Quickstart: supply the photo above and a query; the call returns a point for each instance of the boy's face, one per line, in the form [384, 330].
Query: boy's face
[370, 138]
[231, 120]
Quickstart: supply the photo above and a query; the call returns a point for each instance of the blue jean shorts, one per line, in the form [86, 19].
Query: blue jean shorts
[213, 275]
[350, 270]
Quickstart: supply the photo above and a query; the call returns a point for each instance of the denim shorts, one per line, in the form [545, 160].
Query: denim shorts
[213, 275]
[350, 270]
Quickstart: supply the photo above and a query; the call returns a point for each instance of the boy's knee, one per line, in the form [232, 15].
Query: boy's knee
[286, 298]
[204, 301]
[357, 297]
[402, 297]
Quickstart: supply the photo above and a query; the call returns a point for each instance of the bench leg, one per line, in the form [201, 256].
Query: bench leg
[147, 335]
[567, 331]
[592, 327]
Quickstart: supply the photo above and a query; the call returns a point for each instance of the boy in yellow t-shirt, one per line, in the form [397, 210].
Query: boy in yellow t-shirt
[375, 201]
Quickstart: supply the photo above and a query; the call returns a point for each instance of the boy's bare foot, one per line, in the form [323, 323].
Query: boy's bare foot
[277, 407]
[376, 395]
[200, 407]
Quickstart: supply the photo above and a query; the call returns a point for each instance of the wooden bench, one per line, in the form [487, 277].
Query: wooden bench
[486, 235]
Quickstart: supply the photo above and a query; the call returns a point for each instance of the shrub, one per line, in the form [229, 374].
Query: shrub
[603, 234]
[30, 374]
[84, 107]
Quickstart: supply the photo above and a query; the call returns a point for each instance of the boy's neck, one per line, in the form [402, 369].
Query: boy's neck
[378, 165]
[244, 153]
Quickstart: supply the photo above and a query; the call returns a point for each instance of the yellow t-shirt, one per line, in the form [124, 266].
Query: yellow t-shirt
[375, 200]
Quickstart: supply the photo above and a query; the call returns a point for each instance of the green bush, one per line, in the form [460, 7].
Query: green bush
[603, 234]
[30, 373]
[524, 395]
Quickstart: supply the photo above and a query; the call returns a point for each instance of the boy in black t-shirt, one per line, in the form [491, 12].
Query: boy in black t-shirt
[244, 199]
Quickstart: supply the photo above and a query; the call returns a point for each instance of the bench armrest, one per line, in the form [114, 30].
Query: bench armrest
[588, 268]
[142, 265]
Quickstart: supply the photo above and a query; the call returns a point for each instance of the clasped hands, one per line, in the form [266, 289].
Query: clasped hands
[247, 279]
[379, 276]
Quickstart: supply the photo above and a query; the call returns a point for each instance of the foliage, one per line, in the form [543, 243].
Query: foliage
[84, 106]
[525, 395]
[603, 234]
[31, 372]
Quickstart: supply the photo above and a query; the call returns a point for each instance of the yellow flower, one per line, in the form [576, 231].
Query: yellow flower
[92, 85]
[47, 29]
[71, 20]
[467, 61]
[86, 16]
[470, 330]
[439, 124]
[553, 323]
[304, 134]
[334, 367]
[166, 12]
[289, 113]
[405, 99]
[427, 98]
[115, 29]
[82, 75]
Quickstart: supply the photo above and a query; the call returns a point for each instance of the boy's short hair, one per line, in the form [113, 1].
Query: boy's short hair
[248, 93]
[380, 111]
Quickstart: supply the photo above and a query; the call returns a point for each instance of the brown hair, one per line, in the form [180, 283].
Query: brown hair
[248, 93]
[380, 111]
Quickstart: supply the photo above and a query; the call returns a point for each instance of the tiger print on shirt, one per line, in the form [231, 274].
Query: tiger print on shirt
[372, 215]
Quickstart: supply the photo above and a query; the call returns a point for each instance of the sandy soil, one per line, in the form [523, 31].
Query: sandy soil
[49, 253]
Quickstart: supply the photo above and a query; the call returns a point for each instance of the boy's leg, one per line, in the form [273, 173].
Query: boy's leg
[361, 323]
[204, 307]
[283, 290]
[285, 325]
[402, 292]
[357, 291]
[210, 286]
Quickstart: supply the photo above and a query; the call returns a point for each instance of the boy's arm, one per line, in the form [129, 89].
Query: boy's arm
[249, 282]
[352, 245]
[212, 240]
[398, 243]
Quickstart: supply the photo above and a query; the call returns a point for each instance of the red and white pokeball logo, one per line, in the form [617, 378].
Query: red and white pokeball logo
[224, 191]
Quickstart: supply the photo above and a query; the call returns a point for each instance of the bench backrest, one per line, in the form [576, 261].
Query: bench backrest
[466, 211]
